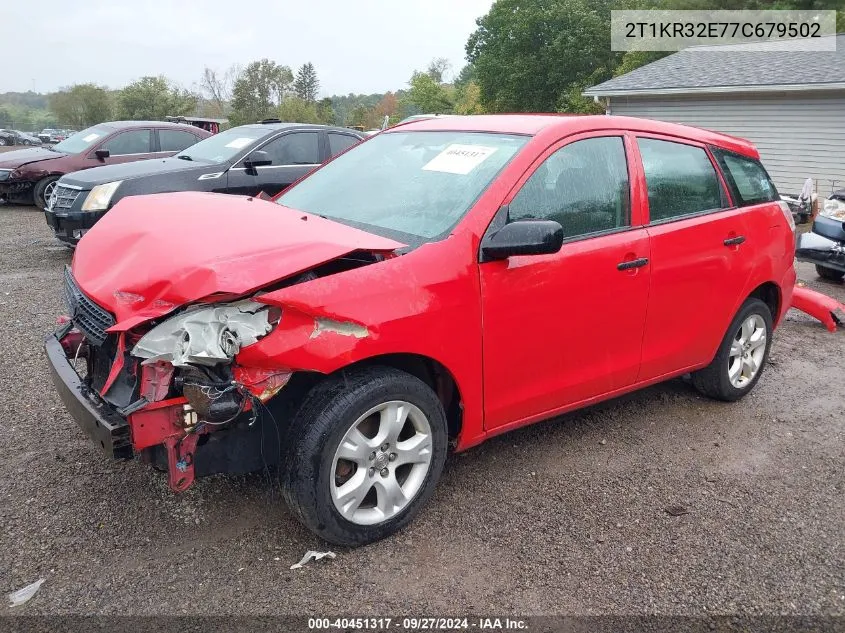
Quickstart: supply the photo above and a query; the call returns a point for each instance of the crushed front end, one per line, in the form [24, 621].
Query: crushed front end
[167, 390]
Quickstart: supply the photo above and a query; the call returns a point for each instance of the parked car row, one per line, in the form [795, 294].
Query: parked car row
[50, 135]
[30, 175]
[247, 160]
[15, 137]
[443, 282]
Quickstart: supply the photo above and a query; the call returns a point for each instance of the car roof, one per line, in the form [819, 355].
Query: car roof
[565, 124]
[122, 125]
[287, 126]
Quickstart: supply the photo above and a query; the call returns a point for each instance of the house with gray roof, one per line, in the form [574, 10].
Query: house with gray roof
[789, 103]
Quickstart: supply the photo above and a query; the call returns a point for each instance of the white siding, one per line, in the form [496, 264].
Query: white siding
[798, 136]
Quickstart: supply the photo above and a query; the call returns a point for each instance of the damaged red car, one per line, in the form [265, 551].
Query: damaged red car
[443, 282]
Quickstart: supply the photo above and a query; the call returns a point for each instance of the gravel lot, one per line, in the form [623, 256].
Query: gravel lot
[565, 517]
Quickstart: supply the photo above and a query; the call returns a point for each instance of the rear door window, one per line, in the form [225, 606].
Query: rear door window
[297, 148]
[175, 140]
[129, 142]
[747, 178]
[681, 180]
[341, 142]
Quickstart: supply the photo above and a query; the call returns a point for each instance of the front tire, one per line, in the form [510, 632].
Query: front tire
[42, 191]
[829, 274]
[741, 357]
[366, 450]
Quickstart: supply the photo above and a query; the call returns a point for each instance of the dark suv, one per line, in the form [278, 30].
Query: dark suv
[29, 175]
[247, 160]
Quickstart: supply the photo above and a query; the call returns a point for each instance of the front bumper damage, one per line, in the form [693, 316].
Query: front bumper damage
[818, 249]
[147, 411]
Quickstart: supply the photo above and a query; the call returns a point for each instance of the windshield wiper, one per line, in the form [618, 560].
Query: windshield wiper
[184, 157]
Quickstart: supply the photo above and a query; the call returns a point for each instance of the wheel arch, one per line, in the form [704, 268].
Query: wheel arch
[770, 294]
[432, 372]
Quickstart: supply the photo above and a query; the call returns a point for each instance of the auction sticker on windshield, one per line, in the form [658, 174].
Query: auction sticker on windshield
[459, 159]
[91, 137]
[239, 143]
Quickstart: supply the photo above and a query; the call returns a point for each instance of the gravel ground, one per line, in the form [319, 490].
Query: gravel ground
[565, 517]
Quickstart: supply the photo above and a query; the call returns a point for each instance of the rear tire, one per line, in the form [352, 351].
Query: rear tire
[42, 190]
[366, 450]
[741, 357]
[829, 274]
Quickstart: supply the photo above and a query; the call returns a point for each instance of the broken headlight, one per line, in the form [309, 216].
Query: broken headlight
[207, 335]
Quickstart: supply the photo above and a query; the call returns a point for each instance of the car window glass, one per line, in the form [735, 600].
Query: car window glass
[751, 183]
[299, 148]
[583, 186]
[681, 179]
[340, 142]
[129, 142]
[175, 140]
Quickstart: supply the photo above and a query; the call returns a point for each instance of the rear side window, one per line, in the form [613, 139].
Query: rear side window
[175, 140]
[130, 142]
[298, 148]
[681, 180]
[341, 142]
[582, 186]
[747, 178]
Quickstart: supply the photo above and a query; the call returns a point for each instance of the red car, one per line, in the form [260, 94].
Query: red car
[29, 175]
[445, 281]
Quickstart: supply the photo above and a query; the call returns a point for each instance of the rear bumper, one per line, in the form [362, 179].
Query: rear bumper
[99, 421]
[817, 249]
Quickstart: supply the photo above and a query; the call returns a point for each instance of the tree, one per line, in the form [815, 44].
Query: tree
[438, 68]
[527, 54]
[153, 99]
[306, 86]
[325, 112]
[469, 99]
[428, 95]
[258, 91]
[297, 110]
[466, 75]
[216, 87]
[81, 105]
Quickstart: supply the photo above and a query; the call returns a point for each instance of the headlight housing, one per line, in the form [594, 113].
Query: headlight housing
[5, 174]
[99, 197]
[834, 209]
[207, 335]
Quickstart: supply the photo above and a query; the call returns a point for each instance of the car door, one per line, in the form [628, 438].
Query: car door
[293, 154]
[700, 260]
[562, 329]
[125, 147]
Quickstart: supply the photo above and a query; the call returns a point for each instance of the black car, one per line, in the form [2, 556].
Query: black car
[14, 137]
[266, 157]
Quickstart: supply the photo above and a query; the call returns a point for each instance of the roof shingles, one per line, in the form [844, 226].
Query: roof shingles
[725, 66]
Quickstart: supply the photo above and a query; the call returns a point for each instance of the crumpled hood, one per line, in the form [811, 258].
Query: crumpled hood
[20, 157]
[152, 254]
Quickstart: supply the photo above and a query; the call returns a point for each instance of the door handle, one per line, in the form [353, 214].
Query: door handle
[634, 263]
[734, 241]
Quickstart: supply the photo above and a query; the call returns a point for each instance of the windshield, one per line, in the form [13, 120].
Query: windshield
[82, 141]
[415, 186]
[224, 146]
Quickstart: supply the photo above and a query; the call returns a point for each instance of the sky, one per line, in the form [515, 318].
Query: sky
[364, 46]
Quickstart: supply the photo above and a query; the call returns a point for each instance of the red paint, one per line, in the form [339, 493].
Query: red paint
[155, 381]
[264, 383]
[524, 339]
[156, 422]
[817, 305]
[117, 365]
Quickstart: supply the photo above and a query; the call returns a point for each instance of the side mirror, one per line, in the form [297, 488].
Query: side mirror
[102, 154]
[523, 237]
[258, 158]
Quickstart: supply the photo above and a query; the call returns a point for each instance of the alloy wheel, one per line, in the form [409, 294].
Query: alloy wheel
[381, 463]
[747, 351]
[48, 193]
